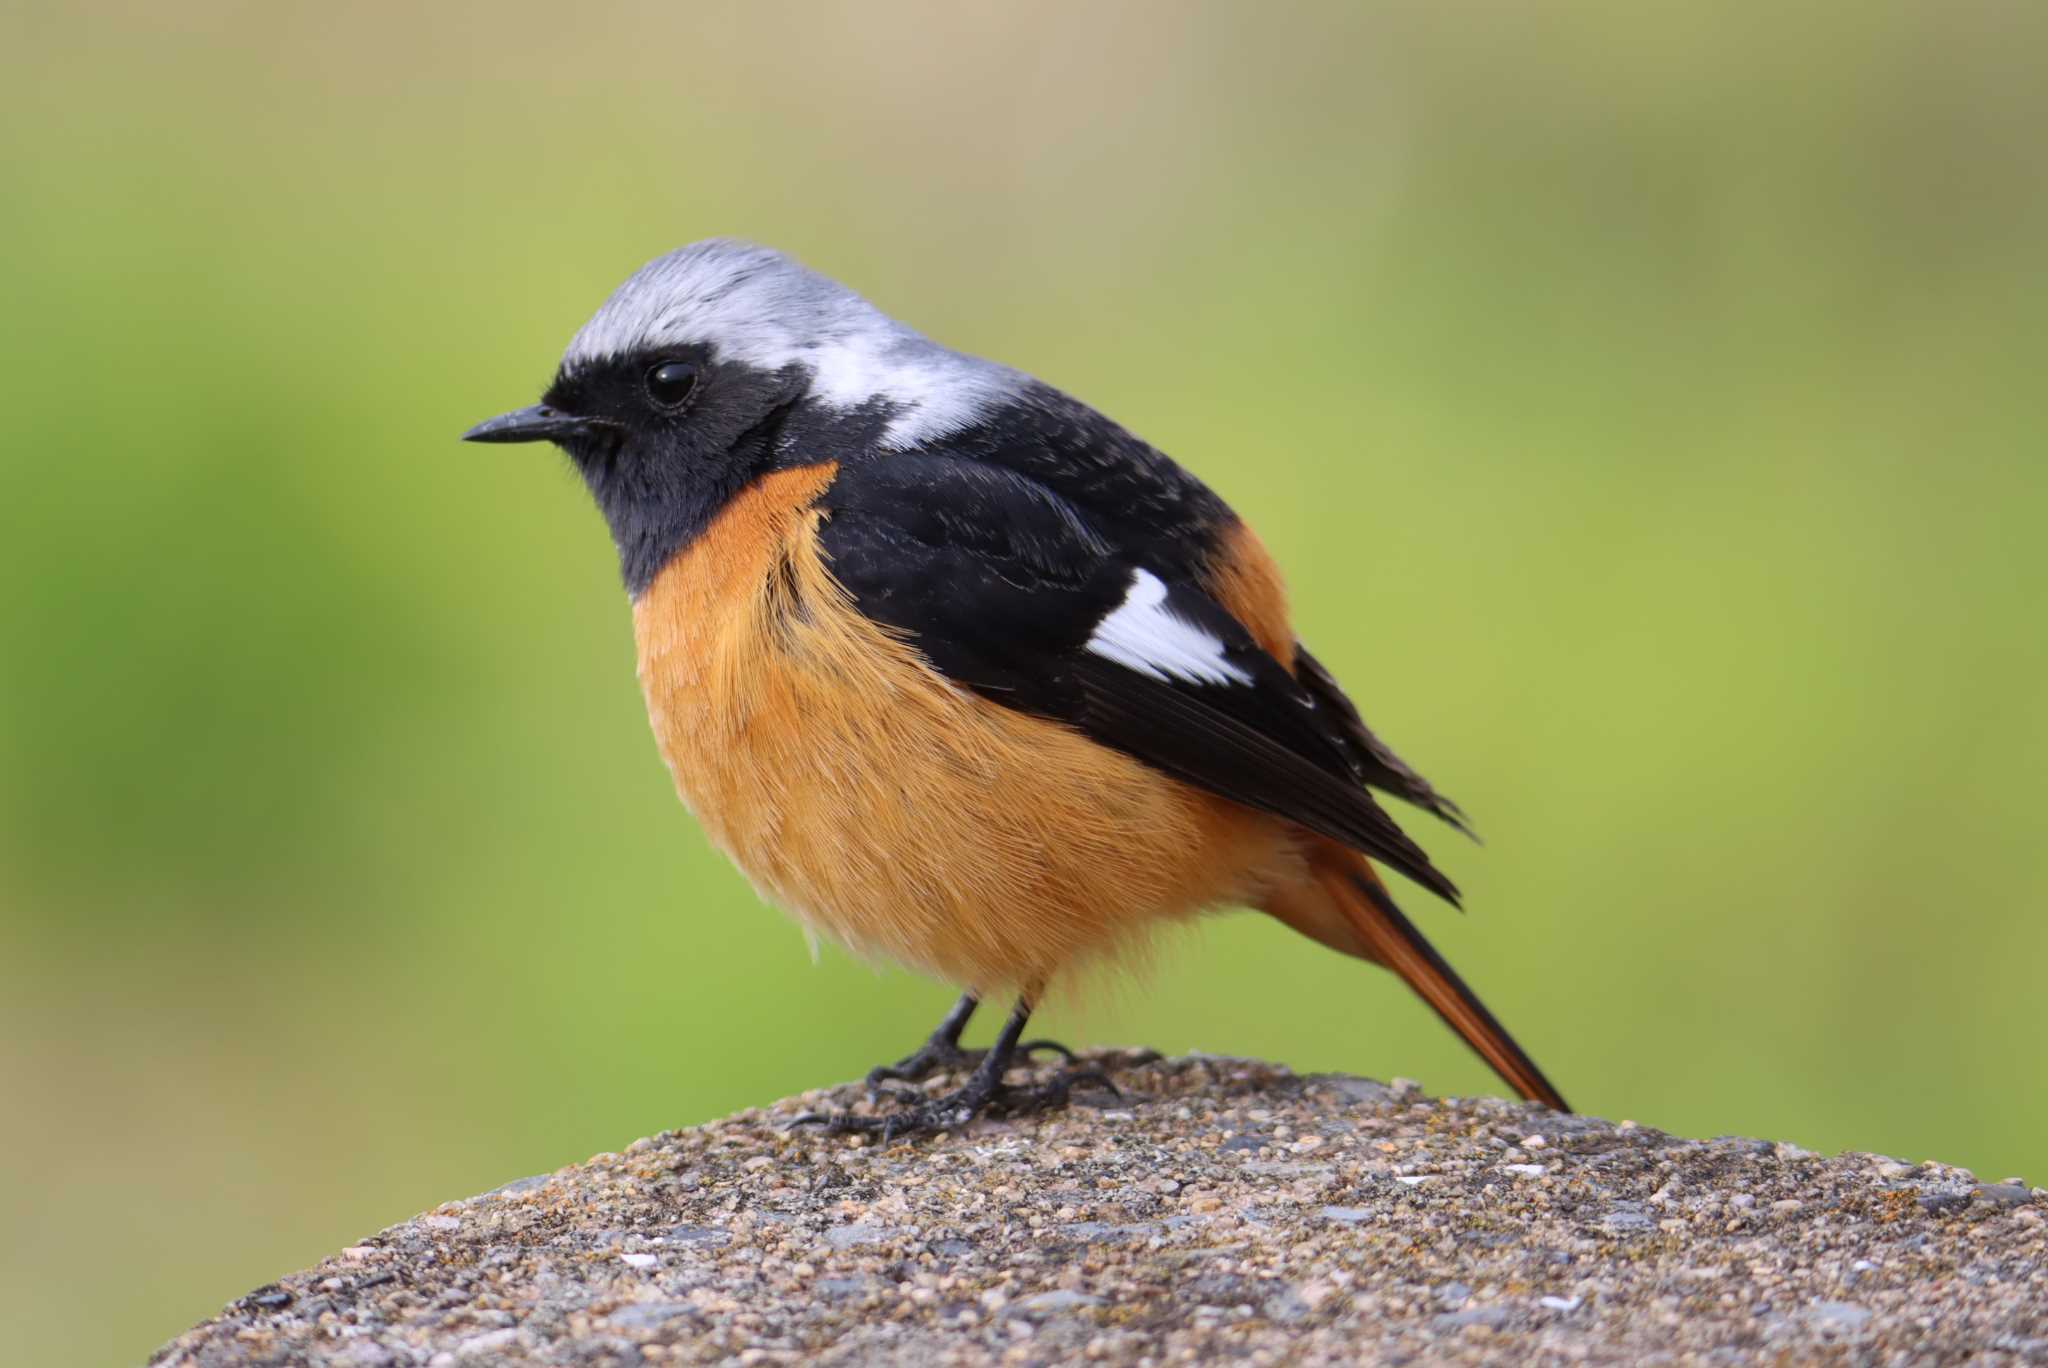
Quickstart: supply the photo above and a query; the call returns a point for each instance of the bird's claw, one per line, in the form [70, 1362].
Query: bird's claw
[1054, 1093]
[932, 1057]
[920, 1115]
[1030, 1047]
[938, 1056]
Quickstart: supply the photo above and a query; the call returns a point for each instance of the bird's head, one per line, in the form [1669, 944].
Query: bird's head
[723, 360]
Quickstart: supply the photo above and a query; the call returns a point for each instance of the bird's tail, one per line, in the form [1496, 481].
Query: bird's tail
[1373, 928]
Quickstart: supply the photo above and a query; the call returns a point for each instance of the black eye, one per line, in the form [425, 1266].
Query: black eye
[669, 385]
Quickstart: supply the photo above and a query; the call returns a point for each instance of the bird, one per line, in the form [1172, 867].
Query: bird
[963, 674]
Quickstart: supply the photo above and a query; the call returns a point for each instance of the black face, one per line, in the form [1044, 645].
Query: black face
[663, 438]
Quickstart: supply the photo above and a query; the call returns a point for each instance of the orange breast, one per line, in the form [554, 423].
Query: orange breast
[884, 806]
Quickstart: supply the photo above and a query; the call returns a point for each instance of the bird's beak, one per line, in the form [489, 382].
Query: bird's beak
[536, 424]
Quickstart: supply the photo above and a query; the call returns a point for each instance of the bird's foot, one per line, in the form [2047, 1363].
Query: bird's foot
[983, 1095]
[940, 1055]
[936, 1056]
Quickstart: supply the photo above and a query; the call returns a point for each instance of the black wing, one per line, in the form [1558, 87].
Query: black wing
[1016, 591]
[1371, 758]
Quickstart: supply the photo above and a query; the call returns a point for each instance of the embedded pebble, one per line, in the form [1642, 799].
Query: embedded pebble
[2002, 1195]
[1840, 1317]
[1060, 1299]
[847, 1236]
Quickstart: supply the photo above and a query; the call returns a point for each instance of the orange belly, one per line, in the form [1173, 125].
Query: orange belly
[893, 811]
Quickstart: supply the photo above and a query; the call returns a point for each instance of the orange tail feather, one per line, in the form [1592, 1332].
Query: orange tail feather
[1389, 938]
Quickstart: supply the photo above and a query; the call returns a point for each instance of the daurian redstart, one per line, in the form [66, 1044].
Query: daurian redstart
[959, 671]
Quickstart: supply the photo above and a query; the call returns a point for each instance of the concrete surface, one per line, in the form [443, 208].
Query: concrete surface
[1222, 1210]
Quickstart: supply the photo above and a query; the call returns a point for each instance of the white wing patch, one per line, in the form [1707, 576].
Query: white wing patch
[1145, 635]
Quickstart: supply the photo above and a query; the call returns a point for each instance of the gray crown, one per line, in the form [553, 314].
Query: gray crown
[757, 307]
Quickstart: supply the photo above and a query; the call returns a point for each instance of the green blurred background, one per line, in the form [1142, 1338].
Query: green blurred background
[1646, 405]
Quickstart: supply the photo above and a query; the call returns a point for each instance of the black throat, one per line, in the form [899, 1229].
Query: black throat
[661, 479]
[656, 502]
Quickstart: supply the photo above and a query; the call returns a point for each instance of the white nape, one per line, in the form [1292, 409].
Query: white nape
[1145, 635]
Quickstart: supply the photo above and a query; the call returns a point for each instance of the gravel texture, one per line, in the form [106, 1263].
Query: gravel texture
[1222, 1209]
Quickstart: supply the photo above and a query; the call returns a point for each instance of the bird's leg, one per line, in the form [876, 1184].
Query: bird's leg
[939, 1053]
[984, 1091]
[942, 1051]
[1027, 1002]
